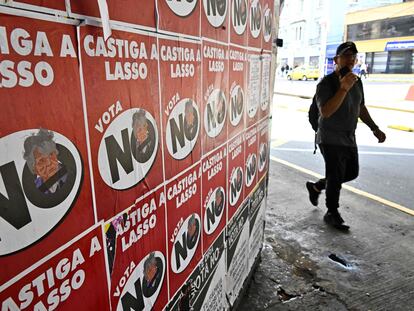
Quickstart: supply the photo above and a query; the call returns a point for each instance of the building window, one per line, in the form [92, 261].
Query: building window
[400, 62]
[386, 28]
[379, 64]
[369, 61]
[314, 61]
[298, 61]
[298, 33]
[319, 4]
[412, 62]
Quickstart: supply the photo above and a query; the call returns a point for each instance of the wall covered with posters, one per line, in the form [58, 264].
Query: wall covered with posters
[132, 168]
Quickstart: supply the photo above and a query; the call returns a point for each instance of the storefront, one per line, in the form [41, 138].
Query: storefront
[397, 57]
[385, 44]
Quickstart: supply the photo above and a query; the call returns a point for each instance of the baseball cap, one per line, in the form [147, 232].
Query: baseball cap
[346, 46]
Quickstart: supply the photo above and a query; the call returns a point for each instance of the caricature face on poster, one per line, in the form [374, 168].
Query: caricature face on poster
[176, 16]
[239, 14]
[184, 226]
[126, 11]
[182, 116]
[215, 99]
[138, 274]
[237, 90]
[121, 93]
[45, 185]
[214, 20]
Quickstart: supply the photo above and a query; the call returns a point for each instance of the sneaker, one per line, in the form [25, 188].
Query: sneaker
[335, 220]
[313, 194]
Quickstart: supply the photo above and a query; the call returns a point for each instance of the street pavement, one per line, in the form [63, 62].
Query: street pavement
[387, 93]
[380, 93]
[307, 265]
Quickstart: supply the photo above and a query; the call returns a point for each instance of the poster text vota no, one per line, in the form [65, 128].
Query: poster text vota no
[169, 119]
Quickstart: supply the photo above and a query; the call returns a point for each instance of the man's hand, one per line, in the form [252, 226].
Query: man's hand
[380, 135]
[348, 81]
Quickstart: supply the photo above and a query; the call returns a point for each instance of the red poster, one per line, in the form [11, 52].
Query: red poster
[254, 88]
[180, 72]
[237, 90]
[268, 8]
[121, 91]
[255, 23]
[45, 193]
[265, 104]
[184, 224]
[214, 195]
[126, 11]
[235, 175]
[137, 257]
[179, 16]
[250, 164]
[41, 5]
[215, 20]
[71, 278]
[263, 151]
[215, 94]
[238, 22]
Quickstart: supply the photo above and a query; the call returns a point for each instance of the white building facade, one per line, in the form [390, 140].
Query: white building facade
[312, 29]
[303, 26]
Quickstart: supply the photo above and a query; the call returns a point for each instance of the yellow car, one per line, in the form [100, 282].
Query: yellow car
[303, 73]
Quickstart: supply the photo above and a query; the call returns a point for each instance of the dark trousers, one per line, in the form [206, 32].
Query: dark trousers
[341, 165]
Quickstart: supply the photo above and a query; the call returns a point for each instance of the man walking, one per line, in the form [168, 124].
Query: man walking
[363, 70]
[340, 99]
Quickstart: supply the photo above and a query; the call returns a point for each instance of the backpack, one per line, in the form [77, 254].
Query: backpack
[313, 114]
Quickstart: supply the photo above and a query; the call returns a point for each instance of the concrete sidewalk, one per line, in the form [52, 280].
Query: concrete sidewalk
[307, 265]
[391, 78]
